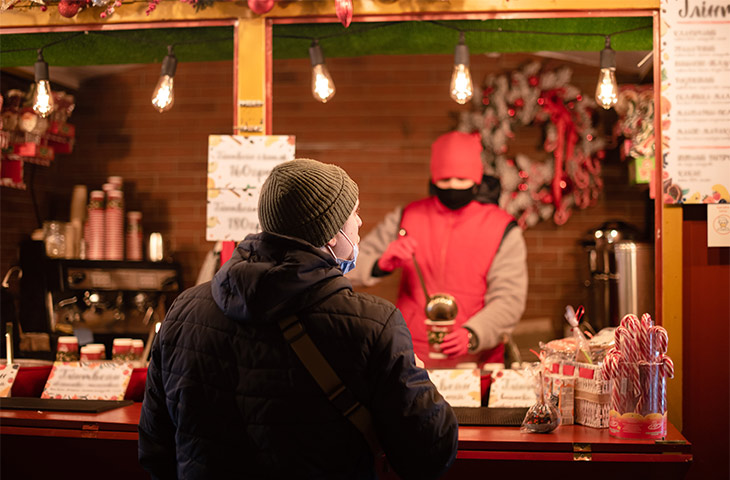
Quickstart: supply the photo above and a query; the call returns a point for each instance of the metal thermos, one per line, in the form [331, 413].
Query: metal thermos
[603, 280]
[635, 272]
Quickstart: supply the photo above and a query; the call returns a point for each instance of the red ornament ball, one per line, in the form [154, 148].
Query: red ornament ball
[533, 81]
[519, 103]
[566, 184]
[69, 8]
[259, 7]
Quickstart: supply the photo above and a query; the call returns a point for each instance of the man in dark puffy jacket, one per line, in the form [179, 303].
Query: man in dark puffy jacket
[226, 395]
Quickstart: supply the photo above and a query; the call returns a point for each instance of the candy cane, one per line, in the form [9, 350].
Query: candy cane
[645, 377]
[646, 321]
[628, 318]
[630, 350]
[667, 366]
[660, 340]
[619, 335]
[610, 364]
[610, 373]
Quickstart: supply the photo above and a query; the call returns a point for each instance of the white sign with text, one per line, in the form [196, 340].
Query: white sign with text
[237, 168]
[512, 388]
[460, 387]
[7, 377]
[88, 381]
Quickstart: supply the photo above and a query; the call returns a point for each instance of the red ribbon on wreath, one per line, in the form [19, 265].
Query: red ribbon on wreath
[567, 138]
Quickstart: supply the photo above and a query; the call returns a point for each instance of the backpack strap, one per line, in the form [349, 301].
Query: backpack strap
[338, 394]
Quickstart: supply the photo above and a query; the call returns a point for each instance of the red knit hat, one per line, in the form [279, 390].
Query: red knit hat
[457, 155]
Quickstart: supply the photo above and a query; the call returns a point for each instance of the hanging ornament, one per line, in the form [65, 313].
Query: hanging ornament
[69, 8]
[343, 8]
[260, 7]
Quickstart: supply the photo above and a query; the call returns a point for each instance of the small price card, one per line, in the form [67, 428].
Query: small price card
[88, 381]
[7, 377]
[511, 388]
[460, 387]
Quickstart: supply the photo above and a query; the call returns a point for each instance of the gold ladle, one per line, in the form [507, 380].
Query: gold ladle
[440, 307]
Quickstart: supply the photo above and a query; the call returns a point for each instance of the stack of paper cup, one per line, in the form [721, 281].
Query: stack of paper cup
[94, 229]
[134, 236]
[116, 181]
[114, 221]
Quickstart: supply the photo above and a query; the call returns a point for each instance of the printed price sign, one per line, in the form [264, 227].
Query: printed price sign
[460, 387]
[88, 381]
[237, 168]
[511, 388]
[7, 377]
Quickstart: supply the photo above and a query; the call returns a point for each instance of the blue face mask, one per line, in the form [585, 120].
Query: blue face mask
[346, 265]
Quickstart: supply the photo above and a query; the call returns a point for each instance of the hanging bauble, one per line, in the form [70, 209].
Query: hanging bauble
[566, 184]
[343, 8]
[69, 8]
[259, 7]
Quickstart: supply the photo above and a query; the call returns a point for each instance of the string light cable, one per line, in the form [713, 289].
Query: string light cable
[323, 89]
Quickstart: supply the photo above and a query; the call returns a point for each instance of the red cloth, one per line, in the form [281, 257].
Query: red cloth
[455, 251]
[457, 155]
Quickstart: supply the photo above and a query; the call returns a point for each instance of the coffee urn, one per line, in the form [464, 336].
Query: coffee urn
[615, 277]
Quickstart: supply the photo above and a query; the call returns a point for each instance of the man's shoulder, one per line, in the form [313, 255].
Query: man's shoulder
[363, 305]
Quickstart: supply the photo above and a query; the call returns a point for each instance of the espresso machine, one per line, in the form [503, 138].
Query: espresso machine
[92, 299]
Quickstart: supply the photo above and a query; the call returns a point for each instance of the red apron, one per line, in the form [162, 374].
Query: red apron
[455, 251]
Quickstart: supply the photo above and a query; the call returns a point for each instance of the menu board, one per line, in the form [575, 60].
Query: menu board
[237, 168]
[695, 46]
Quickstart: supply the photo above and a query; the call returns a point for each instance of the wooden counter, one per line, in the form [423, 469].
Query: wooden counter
[36, 444]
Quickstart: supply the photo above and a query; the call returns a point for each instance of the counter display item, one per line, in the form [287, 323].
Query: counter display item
[638, 368]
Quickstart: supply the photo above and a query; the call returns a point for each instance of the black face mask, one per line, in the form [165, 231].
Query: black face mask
[455, 199]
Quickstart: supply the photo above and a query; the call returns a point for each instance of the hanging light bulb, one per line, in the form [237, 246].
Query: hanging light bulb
[164, 96]
[323, 87]
[461, 87]
[42, 97]
[607, 88]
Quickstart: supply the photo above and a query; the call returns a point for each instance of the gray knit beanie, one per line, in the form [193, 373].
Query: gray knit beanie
[306, 199]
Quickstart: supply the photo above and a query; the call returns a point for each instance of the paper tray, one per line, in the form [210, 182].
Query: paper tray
[51, 404]
[486, 416]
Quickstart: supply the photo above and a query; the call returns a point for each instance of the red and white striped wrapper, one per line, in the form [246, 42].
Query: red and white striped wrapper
[94, 227]
[114, 220]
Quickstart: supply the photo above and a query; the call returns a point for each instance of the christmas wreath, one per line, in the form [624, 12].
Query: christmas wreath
[569, 173]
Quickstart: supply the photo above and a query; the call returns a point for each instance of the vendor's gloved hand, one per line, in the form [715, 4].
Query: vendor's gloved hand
[456, 343]
[398, 252]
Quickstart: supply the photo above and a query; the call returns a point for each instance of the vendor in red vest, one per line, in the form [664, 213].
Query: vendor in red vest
[470, 250]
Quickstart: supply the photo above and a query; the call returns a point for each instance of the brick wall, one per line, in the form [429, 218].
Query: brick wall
[379, 127]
